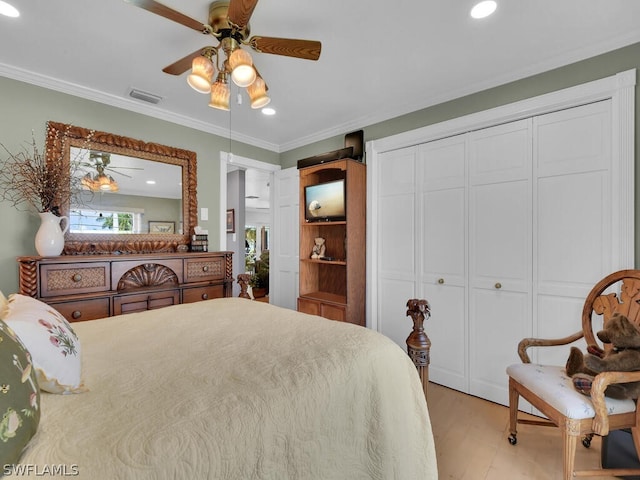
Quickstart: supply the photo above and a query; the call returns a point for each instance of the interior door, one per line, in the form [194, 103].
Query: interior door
[284, 266]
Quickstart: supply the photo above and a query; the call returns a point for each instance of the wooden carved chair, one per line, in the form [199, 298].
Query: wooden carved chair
[549, 389]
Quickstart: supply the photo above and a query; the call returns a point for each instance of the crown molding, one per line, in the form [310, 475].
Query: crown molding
[80, 91]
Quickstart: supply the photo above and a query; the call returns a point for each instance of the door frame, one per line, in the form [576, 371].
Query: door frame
[225, 159]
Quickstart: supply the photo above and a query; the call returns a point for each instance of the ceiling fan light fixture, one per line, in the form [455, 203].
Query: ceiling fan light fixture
[220, 95]
[202, 70]
[242, 72]
[88, 183]
[258, 93]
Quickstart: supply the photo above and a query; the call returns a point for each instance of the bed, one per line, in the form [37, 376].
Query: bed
[236, 389]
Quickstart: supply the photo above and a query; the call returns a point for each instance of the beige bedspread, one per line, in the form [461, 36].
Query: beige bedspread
[235, 389]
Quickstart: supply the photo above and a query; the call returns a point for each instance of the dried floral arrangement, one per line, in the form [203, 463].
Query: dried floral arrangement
[32, 181]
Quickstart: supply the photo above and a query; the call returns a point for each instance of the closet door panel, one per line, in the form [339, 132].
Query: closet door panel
[574, 238]
[573, 234]
[575, 140]
[394, 322]
[496, 327]
[448, 334]
[500, 254]
[501, 153]
[442, 217]
[396, 238]
[500, 235]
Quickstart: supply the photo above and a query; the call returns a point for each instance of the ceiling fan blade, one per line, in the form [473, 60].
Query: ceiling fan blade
[240, 11]
[171, 14]
[290, 47]
[182, 65]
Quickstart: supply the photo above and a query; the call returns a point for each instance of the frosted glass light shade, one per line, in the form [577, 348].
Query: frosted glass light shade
[258, 93]
[242, 72]
[220, 94]
[201, 74]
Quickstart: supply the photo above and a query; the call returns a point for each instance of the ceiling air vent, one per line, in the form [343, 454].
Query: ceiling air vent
[144, 96]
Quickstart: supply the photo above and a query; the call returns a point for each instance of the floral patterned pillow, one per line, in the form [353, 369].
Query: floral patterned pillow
[53, 344]
[19, 397]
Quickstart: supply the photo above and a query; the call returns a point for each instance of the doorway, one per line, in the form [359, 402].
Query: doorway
[254, 211]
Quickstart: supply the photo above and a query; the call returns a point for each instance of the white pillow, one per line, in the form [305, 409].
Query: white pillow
[54, 346]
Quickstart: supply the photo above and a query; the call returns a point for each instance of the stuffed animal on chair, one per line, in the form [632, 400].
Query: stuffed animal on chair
[624, 337]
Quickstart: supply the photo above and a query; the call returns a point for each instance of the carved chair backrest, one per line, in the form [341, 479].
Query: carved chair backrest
[625, 299]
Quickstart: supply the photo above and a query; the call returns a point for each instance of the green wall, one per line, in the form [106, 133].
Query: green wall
[27, 108]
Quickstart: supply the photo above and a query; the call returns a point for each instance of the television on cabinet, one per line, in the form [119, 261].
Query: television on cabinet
[325, 202]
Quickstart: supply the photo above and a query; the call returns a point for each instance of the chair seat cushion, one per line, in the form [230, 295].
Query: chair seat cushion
[551, 384]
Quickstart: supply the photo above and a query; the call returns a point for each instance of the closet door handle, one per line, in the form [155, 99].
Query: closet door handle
[498, 285]
[441, 281]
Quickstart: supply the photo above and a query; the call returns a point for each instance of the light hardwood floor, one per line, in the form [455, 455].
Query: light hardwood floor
[471, 442]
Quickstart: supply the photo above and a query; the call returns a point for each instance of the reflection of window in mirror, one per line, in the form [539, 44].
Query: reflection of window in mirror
[142, 187]
[91, 221]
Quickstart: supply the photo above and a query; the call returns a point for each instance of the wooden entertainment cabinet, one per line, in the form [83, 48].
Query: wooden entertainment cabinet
[86, 287]
[335, 288]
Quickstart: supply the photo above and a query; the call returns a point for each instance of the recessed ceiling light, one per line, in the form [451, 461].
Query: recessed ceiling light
[151, 182]
[8, 10]
[484, 9]
[269, 111]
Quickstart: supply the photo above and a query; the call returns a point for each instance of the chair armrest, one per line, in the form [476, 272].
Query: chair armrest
[601, 420]
[541, 342]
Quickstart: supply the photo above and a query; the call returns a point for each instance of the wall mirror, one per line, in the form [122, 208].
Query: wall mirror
[140, 197]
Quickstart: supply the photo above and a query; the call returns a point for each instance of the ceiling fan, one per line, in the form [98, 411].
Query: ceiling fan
[101, 181]
[228, 22]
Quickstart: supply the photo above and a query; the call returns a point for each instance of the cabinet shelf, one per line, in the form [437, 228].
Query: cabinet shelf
[328, 262]
[335, 289]
[326, 297]
[319, 224]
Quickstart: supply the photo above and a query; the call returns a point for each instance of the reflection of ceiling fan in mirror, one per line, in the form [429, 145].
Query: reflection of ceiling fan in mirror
[100, 181]
[229, 23]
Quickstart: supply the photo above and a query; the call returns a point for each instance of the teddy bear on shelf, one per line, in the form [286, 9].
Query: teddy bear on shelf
[318, 248]
[624, 337]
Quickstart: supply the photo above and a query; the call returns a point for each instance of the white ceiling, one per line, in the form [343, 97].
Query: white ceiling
[379, 59]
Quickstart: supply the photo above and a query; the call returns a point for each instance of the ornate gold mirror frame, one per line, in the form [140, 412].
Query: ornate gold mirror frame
[61, 137]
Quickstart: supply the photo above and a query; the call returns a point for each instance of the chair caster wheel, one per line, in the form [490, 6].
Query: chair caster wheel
[586, 441]
[512, 439]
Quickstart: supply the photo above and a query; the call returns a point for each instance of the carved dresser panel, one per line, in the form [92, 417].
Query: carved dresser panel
[90, 287]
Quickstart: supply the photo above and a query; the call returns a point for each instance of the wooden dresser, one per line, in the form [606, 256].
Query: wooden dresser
[96, 286]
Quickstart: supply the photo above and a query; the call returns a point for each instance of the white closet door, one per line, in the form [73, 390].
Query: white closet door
[442, 245]
[396, 242]
[574, 236]
[500, 254]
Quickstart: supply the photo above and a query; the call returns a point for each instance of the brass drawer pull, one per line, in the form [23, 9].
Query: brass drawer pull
[441, 281]
[76, 314]
[205, 296]
[498, 285]
[77, 277]
[205, 268]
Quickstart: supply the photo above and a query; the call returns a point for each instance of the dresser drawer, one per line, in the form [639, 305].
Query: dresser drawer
[74, 278]
[196, 294]
[80, 310]
[202, 269]
[139, 302]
